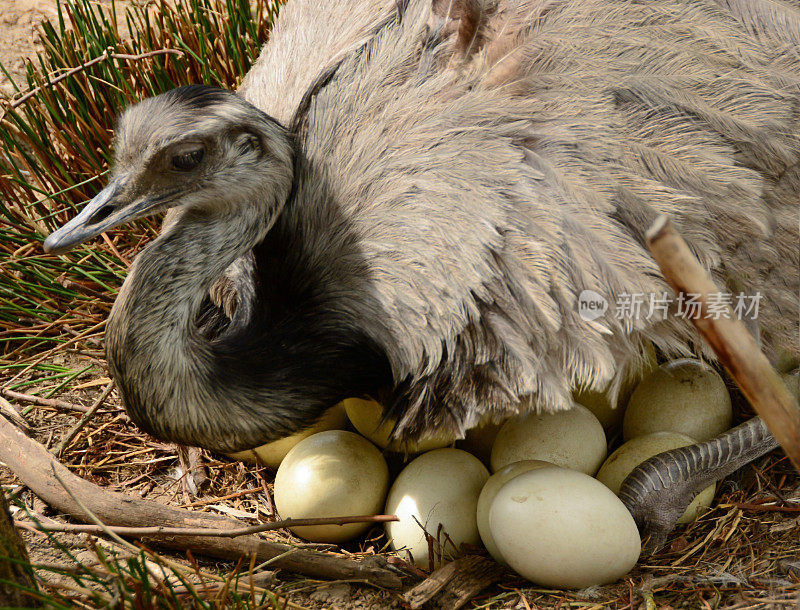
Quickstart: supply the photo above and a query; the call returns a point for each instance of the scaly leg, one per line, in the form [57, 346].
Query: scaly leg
[659, 490]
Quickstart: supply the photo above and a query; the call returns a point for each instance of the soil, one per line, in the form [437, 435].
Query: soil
[19, 36]
[19, 39]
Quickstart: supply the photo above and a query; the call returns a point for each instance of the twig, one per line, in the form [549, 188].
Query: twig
[735, 347]
[7, 409]
[761, 508]
[236, 494]
[193, 478]
[174, 565]
[43, 402]
[83, 421]
[45, 355]
[107, 55]
[455, 583]
[157, 530]
[98, 522]
[32, 464]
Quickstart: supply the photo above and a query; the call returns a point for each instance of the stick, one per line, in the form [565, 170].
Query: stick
[7, 409]
[734, 345]
[17, 583]
[43, 402]
[157, 530]
[83, 421]
[107, 55]
[33, 465]
[455, 583]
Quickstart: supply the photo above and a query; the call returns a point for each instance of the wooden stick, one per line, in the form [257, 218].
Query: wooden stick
[141, 532]
[455, 583]
[7, 409]
[735, 347]
[106, 55]
[18, 586]
[43, 402]
[34, 466]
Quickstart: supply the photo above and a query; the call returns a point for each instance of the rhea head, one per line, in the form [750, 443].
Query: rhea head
[197, 148]
[226, 169]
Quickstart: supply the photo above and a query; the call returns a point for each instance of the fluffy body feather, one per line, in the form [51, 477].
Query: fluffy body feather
[462, 172]
[494, 171]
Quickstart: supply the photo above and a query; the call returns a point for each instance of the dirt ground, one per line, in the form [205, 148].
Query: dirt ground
[19, 40]
[19, 20]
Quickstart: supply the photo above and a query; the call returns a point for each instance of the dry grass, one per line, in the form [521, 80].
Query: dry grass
[744, 553]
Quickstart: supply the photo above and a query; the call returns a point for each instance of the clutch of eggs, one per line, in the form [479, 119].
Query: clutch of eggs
[541, 513]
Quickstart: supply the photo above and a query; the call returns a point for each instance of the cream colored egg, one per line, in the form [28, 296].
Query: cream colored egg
[331, 474]
[620, 464]
[439, 488]
[563, 529]
[366, 417]
[686, 396]
[272, 454]
[599, 402]
[479, 440]
[489, 491]
[572, 439]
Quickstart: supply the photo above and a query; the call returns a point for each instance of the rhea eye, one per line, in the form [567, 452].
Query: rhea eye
[188, 160]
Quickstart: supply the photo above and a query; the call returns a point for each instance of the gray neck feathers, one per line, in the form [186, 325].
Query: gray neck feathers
[164, 368]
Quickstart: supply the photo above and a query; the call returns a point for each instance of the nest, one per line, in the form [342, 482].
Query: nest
[743, 553]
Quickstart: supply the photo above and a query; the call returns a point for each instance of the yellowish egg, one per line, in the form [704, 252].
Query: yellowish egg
[685, 396]
[479, 440]
[366, 417]
[331, 474]
[599, 403]
[620, 464]
[438, 489]
[572, 439]
[489, 491]
[563, 529]
[272, 454]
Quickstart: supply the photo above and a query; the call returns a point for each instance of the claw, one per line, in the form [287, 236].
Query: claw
[655, 511]
[658, 490]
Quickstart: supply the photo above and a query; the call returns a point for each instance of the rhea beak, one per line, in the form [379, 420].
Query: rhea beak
[109, 208]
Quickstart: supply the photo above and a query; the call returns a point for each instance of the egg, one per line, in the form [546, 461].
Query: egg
[438, 488]
[331, 474]
[561, 528]
[489, 491]
[685, 396]
[366, 417]
[272, 454]
[599, 402]
[479, 440]
[572, 439]
[620, 464]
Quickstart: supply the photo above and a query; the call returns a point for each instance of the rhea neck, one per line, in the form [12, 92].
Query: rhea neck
[237, 391]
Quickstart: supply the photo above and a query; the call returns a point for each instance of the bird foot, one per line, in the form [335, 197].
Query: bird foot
[659, 489]
[656, 507]
[657, 511]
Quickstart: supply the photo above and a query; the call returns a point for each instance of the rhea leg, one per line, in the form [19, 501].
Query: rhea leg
[659, 490]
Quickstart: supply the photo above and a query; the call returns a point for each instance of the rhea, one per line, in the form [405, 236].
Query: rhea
[436, 185]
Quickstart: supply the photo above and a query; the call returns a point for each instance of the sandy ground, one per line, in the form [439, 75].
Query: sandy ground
[19, 36]
[19, 39]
